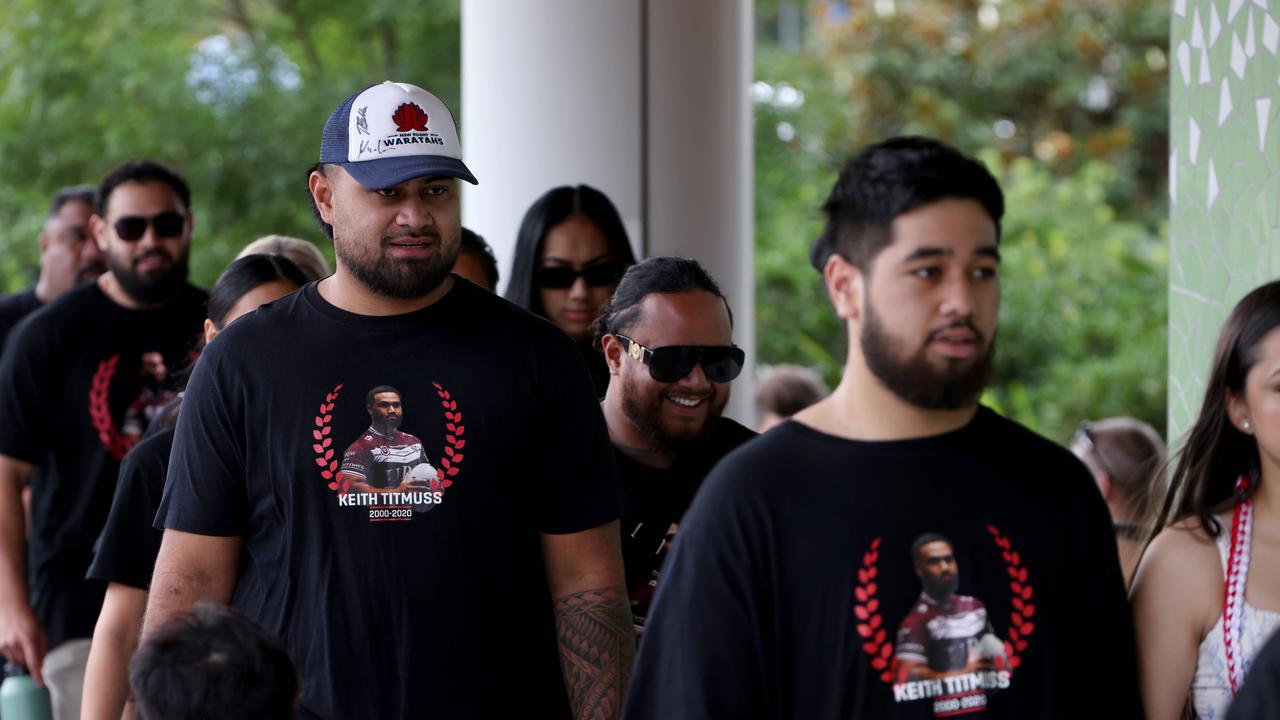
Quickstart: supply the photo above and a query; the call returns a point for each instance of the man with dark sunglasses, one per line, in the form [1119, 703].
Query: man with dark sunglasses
[795, 562]
[667, 337]
[68, 377]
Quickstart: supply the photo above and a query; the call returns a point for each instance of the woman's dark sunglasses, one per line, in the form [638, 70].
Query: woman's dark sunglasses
[131, 228]
[720, 363]
[559, 278]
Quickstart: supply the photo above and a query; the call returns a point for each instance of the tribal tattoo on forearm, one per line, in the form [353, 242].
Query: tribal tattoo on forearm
[597, 645]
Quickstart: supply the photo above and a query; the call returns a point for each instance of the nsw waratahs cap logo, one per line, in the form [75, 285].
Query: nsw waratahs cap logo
[409, 117]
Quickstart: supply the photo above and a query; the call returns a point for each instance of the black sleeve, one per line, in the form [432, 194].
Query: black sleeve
[206, 491]
[1259, 698]
[126, 550]
[580, 488]
[29, 392]
[708, 641]
[1105, 621]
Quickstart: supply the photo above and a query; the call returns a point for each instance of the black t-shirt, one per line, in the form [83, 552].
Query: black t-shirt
[69, 373]
[794, 577]
[14, 308]
[126, 550]
[658, 497]
[429, 601]
[1259, 697]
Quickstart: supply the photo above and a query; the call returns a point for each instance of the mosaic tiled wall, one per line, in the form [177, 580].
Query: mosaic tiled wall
[1224, 178]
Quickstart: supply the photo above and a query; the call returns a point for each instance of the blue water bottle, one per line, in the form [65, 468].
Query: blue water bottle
[21, 698]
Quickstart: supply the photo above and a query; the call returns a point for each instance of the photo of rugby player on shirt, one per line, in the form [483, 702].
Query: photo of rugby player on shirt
[384, 459]
[944, 633]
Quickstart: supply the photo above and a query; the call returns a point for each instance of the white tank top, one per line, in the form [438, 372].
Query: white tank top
[1210, 688]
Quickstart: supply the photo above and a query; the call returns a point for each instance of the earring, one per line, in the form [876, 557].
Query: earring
[1248, 426]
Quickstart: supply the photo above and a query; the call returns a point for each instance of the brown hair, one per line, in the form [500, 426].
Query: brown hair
[1132, 453]
[1215, 453]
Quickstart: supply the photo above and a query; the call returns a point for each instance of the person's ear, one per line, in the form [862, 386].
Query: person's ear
[1238, 413]
[845, 283]
[210, 331]
[612, 348]
[98, 228]
[322, 193]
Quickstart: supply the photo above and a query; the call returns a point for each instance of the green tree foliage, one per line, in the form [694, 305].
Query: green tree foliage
[233, 93]
[1067, 104]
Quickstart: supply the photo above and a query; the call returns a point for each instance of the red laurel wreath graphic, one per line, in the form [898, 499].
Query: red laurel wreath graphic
[115, 443]
[324, 444]
[870, 626]
[328, 461]
[454, 443]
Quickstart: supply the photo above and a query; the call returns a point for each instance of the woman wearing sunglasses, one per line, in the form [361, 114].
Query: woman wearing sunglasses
[126, 550]
[570, 253]
[1198, 634]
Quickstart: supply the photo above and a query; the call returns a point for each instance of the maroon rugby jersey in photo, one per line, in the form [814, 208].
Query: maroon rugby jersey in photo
[383, 461]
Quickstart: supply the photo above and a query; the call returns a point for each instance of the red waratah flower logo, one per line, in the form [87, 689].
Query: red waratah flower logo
[410, 117]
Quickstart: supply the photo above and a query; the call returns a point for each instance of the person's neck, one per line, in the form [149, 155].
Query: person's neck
[623, 434]
[344, 292]
[115, 292]
[862, 408]
[1266, 500]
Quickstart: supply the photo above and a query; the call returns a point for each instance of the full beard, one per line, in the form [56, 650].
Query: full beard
[400, 279]
[916, 380]
[149, 290]
[939, 590]
[644, 409]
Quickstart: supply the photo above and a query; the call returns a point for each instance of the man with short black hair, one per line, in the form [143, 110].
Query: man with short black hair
[212, 664]
[490, 595]
[667, 337]
[790, 572]
[68, 256]
[69, 374]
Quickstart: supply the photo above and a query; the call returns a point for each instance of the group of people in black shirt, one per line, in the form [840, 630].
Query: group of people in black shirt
[424, 499]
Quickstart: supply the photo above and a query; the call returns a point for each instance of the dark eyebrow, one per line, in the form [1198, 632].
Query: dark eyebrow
[927, 252]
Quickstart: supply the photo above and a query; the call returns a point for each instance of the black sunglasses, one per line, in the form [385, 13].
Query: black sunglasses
[559, 278]
[131, 228]
[720, 363]
[1084, 438]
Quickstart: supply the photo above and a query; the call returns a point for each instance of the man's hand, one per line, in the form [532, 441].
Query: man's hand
[22, 639]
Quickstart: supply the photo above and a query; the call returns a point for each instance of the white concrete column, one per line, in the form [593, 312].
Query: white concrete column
[700, 178]
[647, 100]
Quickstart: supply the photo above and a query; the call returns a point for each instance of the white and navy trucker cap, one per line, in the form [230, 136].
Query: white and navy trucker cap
[393, 132]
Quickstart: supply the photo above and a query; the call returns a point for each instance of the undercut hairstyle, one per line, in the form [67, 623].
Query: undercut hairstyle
[74, 193]
[140, 171]
[1131, 452]
[301, 252]
[325, 227]
[245, 275]
[657, 275]
[892, 178]
[554, 207]
[925, 539]
[475, 245]
[785, 390]
[212, 664]
[368, 398]
[1215, 453]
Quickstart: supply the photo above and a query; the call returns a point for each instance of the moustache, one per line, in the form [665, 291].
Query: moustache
[153, 253]
[965, 323]
[421, 234]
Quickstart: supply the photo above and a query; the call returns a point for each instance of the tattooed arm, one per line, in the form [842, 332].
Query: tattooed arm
[593, 619]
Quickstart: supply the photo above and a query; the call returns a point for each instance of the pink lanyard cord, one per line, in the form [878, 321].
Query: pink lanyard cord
[1233, 590]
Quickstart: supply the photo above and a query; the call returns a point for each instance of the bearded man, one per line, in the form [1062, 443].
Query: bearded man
[780, 594]
[667, 338]
[68, 376]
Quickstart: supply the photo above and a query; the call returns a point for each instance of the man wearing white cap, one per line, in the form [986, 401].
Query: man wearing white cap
[447, 601]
